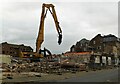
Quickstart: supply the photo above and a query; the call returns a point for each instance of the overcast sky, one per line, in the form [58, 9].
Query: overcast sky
[78, 20]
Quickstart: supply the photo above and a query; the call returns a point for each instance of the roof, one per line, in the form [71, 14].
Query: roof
[110, 35]
[98, 35]
[16, 45]
[83, 40]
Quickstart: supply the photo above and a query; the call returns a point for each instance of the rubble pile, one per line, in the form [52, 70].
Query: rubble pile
[42, 67]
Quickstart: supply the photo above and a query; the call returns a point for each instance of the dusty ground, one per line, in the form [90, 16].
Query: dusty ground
[31, 76]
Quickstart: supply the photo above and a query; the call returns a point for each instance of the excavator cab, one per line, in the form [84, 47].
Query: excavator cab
[44, 52]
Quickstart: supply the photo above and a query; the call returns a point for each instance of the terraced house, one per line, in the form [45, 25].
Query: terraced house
[107, 45]
[13, 49]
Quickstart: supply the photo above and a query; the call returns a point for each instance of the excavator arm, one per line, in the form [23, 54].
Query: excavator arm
[40, 38]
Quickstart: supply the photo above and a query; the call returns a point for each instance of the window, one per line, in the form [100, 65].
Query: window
[3, 52]
[73, 49]
[104, 45]
[7, 52]
[23, 49]
[84, 49]
[99, 47]
[10, 48]
[93, 42]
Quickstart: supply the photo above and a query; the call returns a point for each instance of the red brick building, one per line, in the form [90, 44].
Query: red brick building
[13, 49]
[96, 44]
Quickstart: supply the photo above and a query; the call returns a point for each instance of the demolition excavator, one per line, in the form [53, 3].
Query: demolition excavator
[40, 38]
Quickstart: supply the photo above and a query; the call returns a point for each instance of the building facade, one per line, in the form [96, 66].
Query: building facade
[81, 46]
[107, 46]
[13, 49]
[96, 44]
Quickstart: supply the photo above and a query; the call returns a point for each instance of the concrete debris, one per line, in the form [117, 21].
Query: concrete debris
[62, 65]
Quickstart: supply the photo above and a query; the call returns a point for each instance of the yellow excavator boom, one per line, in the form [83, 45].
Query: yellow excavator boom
[40, 38]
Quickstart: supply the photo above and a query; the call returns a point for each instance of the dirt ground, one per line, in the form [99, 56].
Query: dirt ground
[41, 77]
[32, 76]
